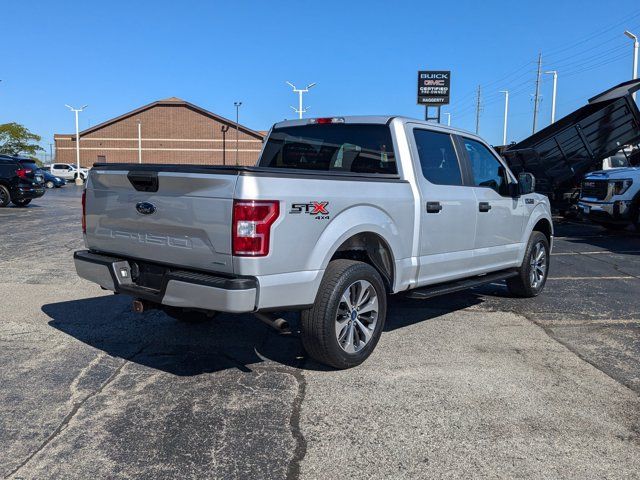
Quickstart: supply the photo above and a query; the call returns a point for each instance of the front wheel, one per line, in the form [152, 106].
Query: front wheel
[49, 184]
[532, 274]
[22, 203]
[346, 321]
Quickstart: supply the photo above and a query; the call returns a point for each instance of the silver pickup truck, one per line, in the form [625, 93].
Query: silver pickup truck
[338, 213]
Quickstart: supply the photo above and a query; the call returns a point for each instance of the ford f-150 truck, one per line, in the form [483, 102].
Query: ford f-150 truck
[337, 213]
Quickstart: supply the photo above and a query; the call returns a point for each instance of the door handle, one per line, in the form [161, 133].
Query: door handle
[484, 206]
[433, 207]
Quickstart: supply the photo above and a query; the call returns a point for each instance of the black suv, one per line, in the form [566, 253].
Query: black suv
[20, 181]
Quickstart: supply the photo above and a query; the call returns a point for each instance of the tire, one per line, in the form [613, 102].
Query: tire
[333, 332]
[528, 283]
[189, 316]
[21, 203]
[5, 196]
[49, 184]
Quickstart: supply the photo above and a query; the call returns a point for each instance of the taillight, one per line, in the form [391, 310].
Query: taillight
[22, 172]
[84, 211]
[252, 220]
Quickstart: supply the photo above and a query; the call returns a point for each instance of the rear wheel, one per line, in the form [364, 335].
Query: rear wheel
[21, 203]
[49, 184]
[346, 321]
[5, 196]
[532, 274]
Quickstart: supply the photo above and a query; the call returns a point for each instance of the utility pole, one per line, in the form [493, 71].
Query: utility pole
[237, 105]
[139, 141]
[634, 73]
[478, 106]
[51, 153]
[536, 98]
[224, 129]
[76, 111]
[506, 114]
[300, 92]
[553, 97]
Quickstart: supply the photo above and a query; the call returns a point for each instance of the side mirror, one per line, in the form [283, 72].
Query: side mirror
[526, 183]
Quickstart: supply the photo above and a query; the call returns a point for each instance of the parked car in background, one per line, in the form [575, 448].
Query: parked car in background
[51, 181]
[68, 171]
[338, 213]
[20, 181]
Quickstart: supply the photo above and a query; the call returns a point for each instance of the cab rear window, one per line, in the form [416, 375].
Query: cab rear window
[352, 148]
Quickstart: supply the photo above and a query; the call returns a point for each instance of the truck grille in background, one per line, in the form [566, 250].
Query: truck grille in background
[594, 189]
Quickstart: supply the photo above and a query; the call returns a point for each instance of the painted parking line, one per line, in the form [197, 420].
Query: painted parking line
[599, 252]
[619, 277]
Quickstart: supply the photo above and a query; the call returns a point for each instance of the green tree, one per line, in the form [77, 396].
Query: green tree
[16, 139]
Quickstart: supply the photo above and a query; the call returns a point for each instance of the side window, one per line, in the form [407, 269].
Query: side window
[487, 170]
[438, 158]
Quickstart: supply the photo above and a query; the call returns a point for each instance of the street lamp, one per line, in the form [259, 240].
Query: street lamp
[553, 97]
[76, 111]
[634, 73]
[237, 105]
[300, 92]
[506, 113]
[224, 129]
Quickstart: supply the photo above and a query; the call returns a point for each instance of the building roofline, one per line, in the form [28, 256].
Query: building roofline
[173, 101]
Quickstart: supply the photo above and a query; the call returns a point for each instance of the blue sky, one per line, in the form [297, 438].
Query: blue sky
[116, 56]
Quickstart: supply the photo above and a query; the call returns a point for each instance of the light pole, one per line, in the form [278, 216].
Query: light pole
[555, 91]
[224, 129]
[139, 141]
[506, 113]
[76, 111]
[237, 105]
[634, 73]
[300, 92]
[448, 118]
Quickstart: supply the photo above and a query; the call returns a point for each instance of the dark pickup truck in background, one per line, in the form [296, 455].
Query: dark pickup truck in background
[560, 155]
[20, 181]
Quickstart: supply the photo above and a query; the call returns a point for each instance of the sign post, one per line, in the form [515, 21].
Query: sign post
[433, 90]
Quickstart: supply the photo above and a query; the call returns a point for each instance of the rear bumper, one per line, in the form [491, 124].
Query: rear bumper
[23, 192]
[179, 288]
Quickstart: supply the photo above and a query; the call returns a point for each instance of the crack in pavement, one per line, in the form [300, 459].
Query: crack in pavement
[76, 407]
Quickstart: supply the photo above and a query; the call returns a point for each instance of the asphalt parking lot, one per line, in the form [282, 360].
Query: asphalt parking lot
[470, 385]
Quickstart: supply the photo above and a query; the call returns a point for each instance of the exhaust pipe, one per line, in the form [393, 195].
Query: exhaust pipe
[277, 323]
[140, 306]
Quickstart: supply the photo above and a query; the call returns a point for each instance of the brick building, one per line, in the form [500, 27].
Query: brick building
[172, 131]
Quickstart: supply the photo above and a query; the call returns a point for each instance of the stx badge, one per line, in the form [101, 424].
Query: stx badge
[317, 209]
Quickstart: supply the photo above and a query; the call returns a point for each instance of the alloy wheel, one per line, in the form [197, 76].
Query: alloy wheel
[538, 264]
[357, 316]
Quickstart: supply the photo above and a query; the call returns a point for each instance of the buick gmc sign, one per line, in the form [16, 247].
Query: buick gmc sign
[433, 87]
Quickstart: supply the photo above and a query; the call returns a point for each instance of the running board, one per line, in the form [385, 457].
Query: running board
[457, 285]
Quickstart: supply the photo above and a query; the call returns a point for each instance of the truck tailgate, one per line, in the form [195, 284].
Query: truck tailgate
[185, 222]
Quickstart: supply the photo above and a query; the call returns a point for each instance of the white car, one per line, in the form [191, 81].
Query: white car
[68, 171]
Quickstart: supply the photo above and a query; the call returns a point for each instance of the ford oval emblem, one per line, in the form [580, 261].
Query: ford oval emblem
[145, 208]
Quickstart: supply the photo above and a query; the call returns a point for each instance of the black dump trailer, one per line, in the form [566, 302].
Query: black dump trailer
[562, 153]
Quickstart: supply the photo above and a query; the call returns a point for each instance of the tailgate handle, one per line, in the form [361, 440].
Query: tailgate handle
[144, 181]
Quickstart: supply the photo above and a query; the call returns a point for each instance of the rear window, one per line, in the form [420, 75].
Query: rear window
[33, 166]
[331, 147]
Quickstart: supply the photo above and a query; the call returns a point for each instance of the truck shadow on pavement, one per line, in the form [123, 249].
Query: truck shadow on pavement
[241, 342]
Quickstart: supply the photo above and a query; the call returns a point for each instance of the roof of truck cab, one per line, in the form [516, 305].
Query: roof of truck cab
[377, 119]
